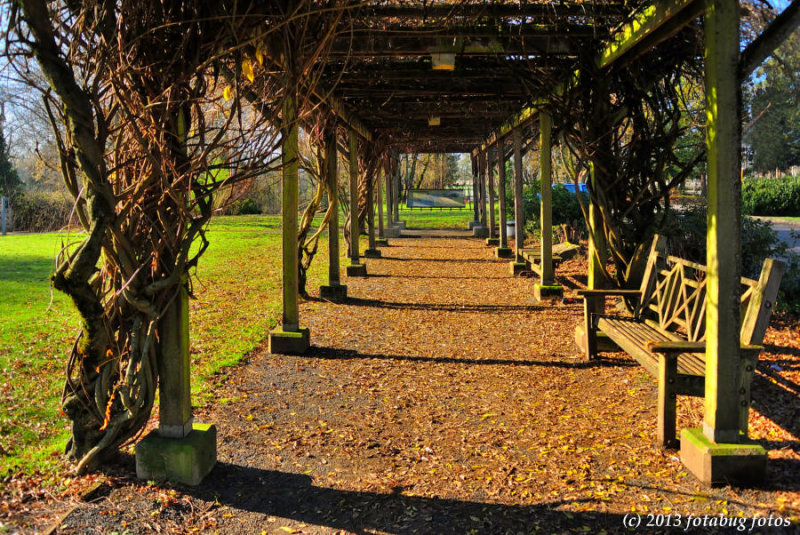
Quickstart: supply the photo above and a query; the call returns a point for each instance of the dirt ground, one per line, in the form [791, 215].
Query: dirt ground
[441, 398]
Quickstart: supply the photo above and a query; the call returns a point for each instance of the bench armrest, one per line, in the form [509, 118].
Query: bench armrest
[610, 293]
[677, 346]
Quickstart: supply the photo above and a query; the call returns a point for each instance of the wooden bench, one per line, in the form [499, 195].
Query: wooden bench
[561, 251]
[666, 330]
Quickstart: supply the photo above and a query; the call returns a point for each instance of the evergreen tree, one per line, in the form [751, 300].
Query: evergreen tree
[10, 183]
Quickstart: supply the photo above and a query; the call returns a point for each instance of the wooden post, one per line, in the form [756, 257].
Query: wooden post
[475, 192]
[482, 157]
[546, 207]
[333, 201]
[724, 221]
[372, 251]
[597, 246]
[719, 453]
[490, 186]
[380, 208]
[289, 207]
[334, 290]
[519, 208]
[354, 231]
[390, 191]
[175, 408]
[397, 191]
[501, 191]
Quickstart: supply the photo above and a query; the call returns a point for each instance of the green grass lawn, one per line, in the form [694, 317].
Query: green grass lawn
[435, 218]
[237, 301]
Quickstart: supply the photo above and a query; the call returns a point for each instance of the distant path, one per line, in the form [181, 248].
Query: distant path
[785, 228]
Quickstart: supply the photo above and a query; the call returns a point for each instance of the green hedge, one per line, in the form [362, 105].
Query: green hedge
[771, 196]
[37, 211]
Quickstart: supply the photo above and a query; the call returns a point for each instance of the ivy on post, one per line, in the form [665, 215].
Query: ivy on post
[289, 338]
[356, 268]
[180, 450]
[503, 250]
[719, 452]
[334, 290]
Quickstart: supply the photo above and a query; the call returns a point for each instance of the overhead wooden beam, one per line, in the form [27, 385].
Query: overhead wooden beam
[493, 11]
[650, 26]
[770, 39]
[653, 24]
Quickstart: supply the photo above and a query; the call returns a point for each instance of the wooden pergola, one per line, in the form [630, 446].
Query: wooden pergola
[481, 77]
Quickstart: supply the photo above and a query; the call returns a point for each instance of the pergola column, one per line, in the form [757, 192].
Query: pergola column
[545, 288]
[289, 338]
[475, 189]
[334, 290]
[372, 251]
[719, 452]
[390, 231]
[356, 268]
[492, 239]
[399, 224]
[481, 230]
[503, 250]
[518, 264]
[378, 184]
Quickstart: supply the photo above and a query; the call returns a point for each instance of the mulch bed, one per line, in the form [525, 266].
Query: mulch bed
[440, 398]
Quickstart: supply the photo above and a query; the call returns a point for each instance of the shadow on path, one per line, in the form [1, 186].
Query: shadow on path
[348, 354]
[293, 496]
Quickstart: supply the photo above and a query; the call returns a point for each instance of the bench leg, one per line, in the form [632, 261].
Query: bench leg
[745, 380]
[589, 328]
[667, 400]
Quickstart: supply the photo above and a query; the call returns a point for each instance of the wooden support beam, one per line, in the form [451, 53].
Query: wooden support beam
[649, 27]
[546, 206]
[331, 170]
[354, 230]
[519, 201]
[482, 157]
[380, 205]
[289, 208]
[654, 23]
[501, 193]
[476, 214]
[770, 39]
[723, 136]
[490, 186]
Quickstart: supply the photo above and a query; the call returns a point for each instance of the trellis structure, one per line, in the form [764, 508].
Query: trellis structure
[481, 77]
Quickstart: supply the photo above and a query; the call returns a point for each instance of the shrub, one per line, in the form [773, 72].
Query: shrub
[771, 196]
[686, 232]
[39, 211]
[246, 206]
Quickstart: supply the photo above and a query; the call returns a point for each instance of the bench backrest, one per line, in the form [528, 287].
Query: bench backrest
[674, 296]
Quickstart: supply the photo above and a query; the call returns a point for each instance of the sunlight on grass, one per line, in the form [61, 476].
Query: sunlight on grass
[236, 302]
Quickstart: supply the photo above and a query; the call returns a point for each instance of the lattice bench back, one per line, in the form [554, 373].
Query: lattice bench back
[674, 296]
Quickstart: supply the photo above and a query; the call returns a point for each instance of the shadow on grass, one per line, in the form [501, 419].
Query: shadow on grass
[26, 268]
[326, 353]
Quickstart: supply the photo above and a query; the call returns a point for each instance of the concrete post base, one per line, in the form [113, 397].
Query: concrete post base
[185, 461]
[541, 292]
[503, 252]
[382, 242]
[721, 464]
[473, 224]
[480, 231]
[400, 225]
[391, 232]
[492, 242]
[289, 342]
[335, 292]
[372, 253]
[357, 270]
[515, 268]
